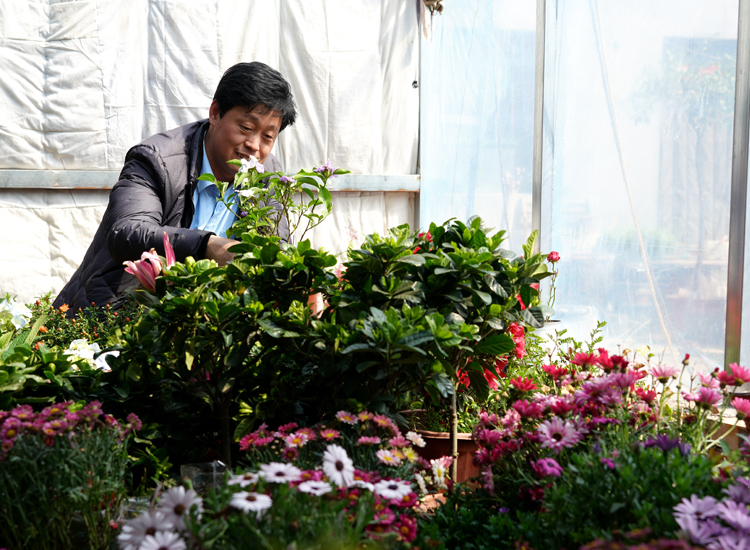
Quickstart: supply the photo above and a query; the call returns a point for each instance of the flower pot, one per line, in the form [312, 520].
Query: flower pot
[438, 444]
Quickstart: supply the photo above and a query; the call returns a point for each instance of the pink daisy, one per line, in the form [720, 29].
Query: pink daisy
[742, 406]
[368, 440]
[555, 434]
[663, 373]
[347, 417]
[329, 434]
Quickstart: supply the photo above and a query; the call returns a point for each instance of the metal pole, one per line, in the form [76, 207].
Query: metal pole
[738, 203]
[536, 177]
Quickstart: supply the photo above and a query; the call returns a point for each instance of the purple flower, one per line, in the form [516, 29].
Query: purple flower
[327, 169]
[735, 514]
[663, 442]
[287, 179]
[698, 508]
[547, 467]
[243, 213]
[609, 463]
[701, 532]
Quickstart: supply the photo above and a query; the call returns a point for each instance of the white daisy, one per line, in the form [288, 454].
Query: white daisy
[251, 502]
[363, 485]
[421, 483]
[250, 478]
[317, 488]
[415, 439]
[392, 489]
[338, 466]
[387, 457]
[164, 540]
[177, 503]
[439, 471]
[137, 529]
[278, 472]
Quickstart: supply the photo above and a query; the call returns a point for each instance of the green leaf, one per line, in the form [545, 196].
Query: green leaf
[496, 344]
[3, 377]
[533, 316]
[479, 385]
[443, 384]
[528, 248]
[413, 259]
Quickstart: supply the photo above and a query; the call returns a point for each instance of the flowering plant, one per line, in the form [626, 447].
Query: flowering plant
[303, 489]
[266, 201]
[59, 467]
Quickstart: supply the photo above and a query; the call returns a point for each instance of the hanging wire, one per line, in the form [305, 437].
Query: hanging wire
[594, 7]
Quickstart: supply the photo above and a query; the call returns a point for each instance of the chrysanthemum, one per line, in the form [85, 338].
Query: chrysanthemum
[387, 457]
[338, 466]
[364, 416]
[251, 502]
[362, 484]
[243, 480]
[740, 373]
[164, 540]
[547, 467]
[177, 503]
[392, 489]
[523, 384]
[296, 439]
[317, 488]
[421, 483]
[346, 417]
[555, 434]
[368, 440]
[704, 397]
[399, 441]
[417, 439]
[383, 421]
[410, 454]
[329, 434]
[278, 472]
[137, 529]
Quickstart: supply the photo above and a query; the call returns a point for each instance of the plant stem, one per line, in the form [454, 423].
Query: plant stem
[226, 434]
[454, 435]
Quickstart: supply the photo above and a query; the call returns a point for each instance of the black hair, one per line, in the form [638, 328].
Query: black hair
[256, 85]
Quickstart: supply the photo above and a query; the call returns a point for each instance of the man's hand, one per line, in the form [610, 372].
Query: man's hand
[217, 249]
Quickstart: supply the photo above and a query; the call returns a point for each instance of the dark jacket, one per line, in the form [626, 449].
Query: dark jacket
[154, 194]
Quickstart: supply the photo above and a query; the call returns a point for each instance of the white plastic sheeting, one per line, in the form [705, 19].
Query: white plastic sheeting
[85, 80]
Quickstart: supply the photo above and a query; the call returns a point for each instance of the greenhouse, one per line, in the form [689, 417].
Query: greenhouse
[376, 274]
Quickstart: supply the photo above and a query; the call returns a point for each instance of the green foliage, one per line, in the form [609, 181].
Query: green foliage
[591, 499]
[63, 495]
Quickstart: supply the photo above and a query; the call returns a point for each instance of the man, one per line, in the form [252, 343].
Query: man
[159, 190]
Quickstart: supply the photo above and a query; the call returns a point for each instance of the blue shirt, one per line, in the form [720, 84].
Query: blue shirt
[211, 215]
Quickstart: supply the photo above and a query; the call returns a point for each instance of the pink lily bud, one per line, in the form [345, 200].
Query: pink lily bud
[169, 251]
[146, 269]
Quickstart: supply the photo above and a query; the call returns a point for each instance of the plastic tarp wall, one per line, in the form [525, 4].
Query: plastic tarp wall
[639, 101]
[85, 80]
[477, 115]
[638, 116]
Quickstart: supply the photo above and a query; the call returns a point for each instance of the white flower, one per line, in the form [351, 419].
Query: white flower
[415, 439]
[101, 361]
[363, 485]
[387, 457]
[421, 483]
[249, 192]
[247, 164]
[392, 489]
[439, 470]
[338, 466]
[244, 480]
[177, 503]
[251, 502]
[278, 472]
[81, 349]
[317, 488]
[137, 529]
[19, 313]
[163, 541]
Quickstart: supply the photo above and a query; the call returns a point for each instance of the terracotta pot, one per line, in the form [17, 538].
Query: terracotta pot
[438, 444]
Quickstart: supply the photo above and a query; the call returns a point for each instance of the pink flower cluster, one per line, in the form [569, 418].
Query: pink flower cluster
[57, 420]
[717, 524]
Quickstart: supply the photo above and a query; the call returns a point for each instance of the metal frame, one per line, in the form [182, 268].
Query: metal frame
[536, 176]
[105, 179]
[738, 204]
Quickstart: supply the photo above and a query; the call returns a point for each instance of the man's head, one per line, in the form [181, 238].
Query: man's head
[252, 104]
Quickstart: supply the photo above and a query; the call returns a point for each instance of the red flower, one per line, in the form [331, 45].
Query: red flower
[554, 371]
[553, 257]
[583, 359]
[518, 335]
[647, 396]
[528, 409]
[523, 384]
[523, 306]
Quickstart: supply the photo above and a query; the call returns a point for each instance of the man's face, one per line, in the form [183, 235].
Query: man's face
[239, 134]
